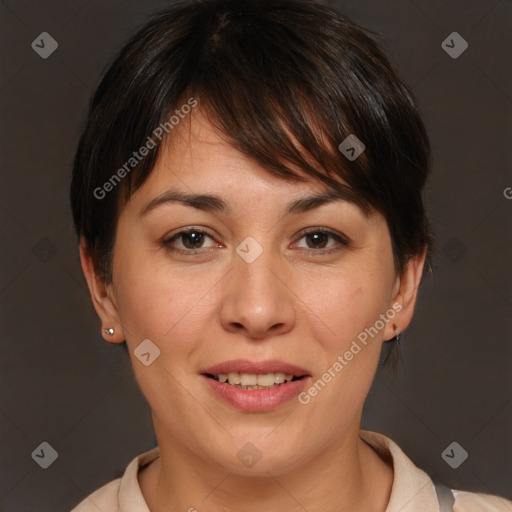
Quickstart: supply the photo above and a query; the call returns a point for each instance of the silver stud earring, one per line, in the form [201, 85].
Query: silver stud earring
[396, 337]
[109, 331]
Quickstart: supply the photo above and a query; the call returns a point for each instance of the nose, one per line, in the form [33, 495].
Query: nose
[257, 300]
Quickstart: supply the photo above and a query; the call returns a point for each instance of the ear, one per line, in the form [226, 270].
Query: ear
[102, 297]
[404, 295]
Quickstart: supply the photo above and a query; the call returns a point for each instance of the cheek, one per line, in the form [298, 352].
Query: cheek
[163, 304]
[339, 309]
[341, 304]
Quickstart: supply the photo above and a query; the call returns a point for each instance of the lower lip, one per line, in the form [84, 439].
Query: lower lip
[257, 400]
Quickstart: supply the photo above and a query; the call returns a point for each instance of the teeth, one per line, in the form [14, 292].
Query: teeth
[279, 378]
[234, 378]
[253, 381]
[264, 380]
[248, 379]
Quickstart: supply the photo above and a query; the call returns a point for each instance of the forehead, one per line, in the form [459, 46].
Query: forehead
[197, 157]
[198, 150]
[198, 168]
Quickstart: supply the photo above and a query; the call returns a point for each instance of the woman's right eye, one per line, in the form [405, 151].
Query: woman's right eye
[191, 241]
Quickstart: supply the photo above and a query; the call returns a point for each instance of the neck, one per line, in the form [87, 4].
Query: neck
[350, 477]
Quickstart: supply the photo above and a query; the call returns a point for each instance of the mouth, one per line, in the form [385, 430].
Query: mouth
[255, 386]
[253, 381]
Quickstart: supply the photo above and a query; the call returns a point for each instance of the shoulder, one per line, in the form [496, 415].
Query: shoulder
[105, 498]
[414, 491]
[123, 494]
[476, 502]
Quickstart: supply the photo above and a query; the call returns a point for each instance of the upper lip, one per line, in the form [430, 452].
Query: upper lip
[255, 367]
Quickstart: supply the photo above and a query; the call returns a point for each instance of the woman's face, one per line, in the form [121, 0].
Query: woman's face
[251, 289]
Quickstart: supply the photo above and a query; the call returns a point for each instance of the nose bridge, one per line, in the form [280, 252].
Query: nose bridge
[256, 300]
[255, 274]
[252, 270]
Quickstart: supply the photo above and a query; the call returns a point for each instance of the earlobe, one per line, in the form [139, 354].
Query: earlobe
[102, 300]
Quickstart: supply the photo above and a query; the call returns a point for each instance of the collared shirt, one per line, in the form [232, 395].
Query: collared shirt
[412, 490]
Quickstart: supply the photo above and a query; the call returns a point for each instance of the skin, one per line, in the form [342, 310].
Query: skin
[290, 303]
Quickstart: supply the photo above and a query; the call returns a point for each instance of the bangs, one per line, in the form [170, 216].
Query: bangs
[285, 82]
[284, 138]
[263, 86]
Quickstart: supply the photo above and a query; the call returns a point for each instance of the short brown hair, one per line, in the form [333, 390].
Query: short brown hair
[269, 74]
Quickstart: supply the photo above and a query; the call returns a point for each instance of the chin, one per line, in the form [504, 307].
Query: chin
[257, 457]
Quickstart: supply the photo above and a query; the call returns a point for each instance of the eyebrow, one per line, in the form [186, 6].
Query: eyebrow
[216, 204]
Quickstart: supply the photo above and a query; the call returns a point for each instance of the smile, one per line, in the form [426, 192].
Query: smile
[251, 381]
[255, 386]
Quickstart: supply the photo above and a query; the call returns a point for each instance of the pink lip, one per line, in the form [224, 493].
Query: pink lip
[256, 400]
[255, 367]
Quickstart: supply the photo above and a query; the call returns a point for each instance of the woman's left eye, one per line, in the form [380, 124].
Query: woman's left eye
[317, 240]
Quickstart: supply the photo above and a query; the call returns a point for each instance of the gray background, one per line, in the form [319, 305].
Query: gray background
[61, 383]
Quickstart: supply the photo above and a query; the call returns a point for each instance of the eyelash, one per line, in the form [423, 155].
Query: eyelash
[316, 252]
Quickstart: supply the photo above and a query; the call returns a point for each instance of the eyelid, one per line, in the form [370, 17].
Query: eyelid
[328, 231]
[188, 229]
[185, 230]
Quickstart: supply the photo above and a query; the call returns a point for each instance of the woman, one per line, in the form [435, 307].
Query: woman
[248, 196]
